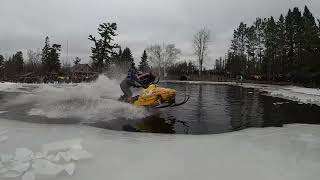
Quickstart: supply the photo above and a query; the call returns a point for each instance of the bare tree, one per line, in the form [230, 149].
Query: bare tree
[200, 44]
[33, 63]
[163, 56]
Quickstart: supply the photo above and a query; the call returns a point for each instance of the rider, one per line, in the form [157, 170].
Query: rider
[132, 80]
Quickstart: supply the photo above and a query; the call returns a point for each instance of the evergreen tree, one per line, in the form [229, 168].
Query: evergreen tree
[270, 68]
[281, 42]
[144, 66]
[45, 53]
[298, 36]
[1, 61]
[50, 57]
[54, 64]
[18, 61]
[126, 58]
[259, 25]
[251, 46]
[311, 38]
[117, 58]
[103, 49]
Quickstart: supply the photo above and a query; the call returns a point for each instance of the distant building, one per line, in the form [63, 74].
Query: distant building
[82, 69]
[83, 72]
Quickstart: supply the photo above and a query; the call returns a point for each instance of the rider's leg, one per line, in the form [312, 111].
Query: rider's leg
[125, 87]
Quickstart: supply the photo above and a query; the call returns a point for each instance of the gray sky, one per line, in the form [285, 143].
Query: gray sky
[25, 23]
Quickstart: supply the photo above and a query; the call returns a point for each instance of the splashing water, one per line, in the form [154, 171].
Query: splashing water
[88, 102]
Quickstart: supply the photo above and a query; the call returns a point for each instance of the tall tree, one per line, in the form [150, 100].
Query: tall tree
[50, 57]
[271, 48]
[45, 52]
[259, 25]
[201, 46]
[54, 64]
[127, 58]
[33, 63]
[310, 45]
[238, 48]
[144, 66]
[104, 47]
[281, 42]
[18, 60]
[298, 36]
[1, 60]
[251, 47]
[163, 56]
[155, 56]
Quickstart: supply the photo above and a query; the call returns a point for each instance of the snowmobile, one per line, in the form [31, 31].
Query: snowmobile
[155, 96]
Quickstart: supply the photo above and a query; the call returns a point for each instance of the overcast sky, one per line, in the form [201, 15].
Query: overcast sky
[25, 23]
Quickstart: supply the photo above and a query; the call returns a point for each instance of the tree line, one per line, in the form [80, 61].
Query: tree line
[40, 62]
[283, 49]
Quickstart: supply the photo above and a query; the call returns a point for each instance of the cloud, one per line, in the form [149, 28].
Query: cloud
[24, 24]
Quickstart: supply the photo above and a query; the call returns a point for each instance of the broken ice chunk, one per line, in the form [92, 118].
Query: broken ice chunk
[3, 170]
[20, 167]
[65, 156]
[2, 132]
[77, 154]
[40, 155]
[62, 146]
[69, 168]
[3, 138]
[6, 158]
[12, 174]
[44, 167]
[29, 176]
[23, 155]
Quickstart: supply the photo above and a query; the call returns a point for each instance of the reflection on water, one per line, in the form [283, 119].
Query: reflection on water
[216, 109]
[211, 109]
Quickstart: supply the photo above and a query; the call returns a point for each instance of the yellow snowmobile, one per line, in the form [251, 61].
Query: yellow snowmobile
[155, 96]
[158, 97]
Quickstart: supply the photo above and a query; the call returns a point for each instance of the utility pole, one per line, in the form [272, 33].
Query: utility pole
[67, 50]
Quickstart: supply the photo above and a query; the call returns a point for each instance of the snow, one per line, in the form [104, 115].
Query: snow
[294, 93]
[29, 176]
[289, 153]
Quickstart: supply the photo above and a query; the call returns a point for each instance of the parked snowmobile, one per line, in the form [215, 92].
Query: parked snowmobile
[155, 96]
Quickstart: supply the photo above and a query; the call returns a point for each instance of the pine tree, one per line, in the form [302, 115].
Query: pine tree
[103, 49]
[251, 46]
[54, 64]
[271, 48]
[18, 61]
[144, 66]
[281, 42]
[45, 53]
[259, 25]
[290, 40]
[126, 58]
[1, 61]
[50, 57]
[298, 36]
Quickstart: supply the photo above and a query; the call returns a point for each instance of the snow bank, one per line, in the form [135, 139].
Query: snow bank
[289, 153]
[294, 93]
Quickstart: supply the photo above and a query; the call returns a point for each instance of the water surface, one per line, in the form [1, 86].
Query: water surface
[212, 109]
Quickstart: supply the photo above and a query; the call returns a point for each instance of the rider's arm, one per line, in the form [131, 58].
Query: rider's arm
[142, 76]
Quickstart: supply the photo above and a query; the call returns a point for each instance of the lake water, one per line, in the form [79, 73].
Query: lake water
[212, 109]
